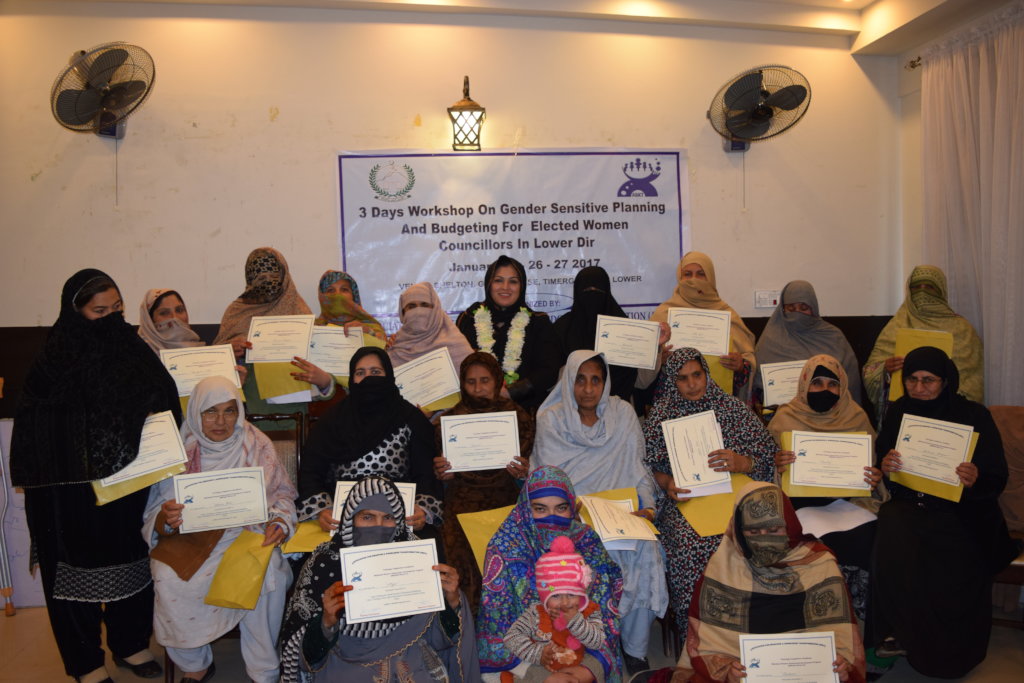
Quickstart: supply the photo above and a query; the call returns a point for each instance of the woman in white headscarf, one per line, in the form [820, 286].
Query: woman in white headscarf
[595, 438]
[217, 437]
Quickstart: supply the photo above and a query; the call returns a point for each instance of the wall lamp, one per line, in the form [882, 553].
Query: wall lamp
[467, 119]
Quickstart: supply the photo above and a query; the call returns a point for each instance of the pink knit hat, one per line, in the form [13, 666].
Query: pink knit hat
[563, 571]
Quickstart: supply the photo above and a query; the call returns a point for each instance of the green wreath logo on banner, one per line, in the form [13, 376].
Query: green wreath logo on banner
[392, 182]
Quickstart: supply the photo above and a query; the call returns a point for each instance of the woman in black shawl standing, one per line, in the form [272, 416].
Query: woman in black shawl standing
[934, 558]
[519, 337]
[373, 431]
[80, 419]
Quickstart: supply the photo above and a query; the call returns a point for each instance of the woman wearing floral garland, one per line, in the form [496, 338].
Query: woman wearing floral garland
[520, 338]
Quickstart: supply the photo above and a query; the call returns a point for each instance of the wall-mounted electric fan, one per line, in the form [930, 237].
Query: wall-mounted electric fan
[101, 87]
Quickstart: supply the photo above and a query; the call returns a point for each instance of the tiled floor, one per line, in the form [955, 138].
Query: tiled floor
[28, 653]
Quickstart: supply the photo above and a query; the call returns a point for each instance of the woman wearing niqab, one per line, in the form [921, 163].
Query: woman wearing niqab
[80, 419]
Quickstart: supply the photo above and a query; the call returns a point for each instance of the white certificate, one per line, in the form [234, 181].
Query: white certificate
[278, 338]
[341, 489]
[221, 499]
[789, 657]
[428, 378]
[690, 441]
[613, 521]
[159, 448]
[701, 329]
[833, 460]
[190, 366]
[933, 448]
[780, 381]
[331, 350]
[629, 343]
[483, 441]
[391, 580]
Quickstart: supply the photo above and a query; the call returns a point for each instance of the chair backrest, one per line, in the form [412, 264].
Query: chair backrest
[1010, 421]
[287, 442]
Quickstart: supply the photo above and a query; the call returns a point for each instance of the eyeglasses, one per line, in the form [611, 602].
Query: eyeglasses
[926, 382]
[211, 414]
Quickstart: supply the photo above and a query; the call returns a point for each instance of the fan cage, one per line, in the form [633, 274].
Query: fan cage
[137, 66]
[775, 77]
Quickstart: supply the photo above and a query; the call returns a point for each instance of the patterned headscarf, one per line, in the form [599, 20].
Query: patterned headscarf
[509, 582]
[269, 290]
[742, 431]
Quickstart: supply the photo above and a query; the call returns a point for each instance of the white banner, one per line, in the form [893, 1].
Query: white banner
[441, 218]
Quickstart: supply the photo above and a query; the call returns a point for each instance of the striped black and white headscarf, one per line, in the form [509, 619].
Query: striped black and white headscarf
[323, 568]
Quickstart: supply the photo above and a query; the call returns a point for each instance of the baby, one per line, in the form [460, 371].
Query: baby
[551, 637]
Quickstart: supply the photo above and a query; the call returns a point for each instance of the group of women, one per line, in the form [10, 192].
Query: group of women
[97, 380]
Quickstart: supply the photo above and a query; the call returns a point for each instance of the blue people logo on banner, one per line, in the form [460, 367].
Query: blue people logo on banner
[641, 174]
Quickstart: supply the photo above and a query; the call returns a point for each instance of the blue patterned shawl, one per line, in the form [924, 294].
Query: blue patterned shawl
[508, 580]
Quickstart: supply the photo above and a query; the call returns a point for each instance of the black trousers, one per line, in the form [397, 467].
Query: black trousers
[76, 628]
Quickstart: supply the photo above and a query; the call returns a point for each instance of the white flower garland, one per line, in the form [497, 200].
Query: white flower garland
[514, 345]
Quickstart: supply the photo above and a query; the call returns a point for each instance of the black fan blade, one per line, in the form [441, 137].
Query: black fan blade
[121, 95]
[746, 126]
[103, 67]
[78, 107]
[744, 93]
[787, 98]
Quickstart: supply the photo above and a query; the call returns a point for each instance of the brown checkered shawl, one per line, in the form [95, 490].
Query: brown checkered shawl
[804, 592]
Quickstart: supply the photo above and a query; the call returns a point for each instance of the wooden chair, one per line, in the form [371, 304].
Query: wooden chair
[288, 446]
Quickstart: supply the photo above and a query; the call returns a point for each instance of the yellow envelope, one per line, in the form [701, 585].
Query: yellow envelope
[628, 493]
[709, 515]
[105, 494]
[479, 527]
[930, 486]
[444, 403]
[798, 491]
[275, 379]
[907, 340]
[308, 535]
[239, 577]
[721, 374]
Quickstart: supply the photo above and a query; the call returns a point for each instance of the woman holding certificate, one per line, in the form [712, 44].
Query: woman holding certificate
[481, 380]
[935, 558]
[217, 437]
[269, 291]
[925, 307]
[321, 642]
[80, 419]
[519, 337]
[796, 332]
[697, 288]
[373, 431]
[596, 439]
[545, 510]
[775, 581]
[823, 404]
[684, 389]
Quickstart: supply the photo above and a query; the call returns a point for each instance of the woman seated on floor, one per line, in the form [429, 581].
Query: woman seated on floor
[216, 437]
[774, 580]
[318, 644]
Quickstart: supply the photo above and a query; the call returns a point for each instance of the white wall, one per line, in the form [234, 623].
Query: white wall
[234, 149]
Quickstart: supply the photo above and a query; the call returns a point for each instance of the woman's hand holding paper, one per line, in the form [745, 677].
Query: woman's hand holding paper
[334, 601]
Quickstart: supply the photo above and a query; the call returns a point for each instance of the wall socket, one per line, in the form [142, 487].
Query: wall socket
[767, 298]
